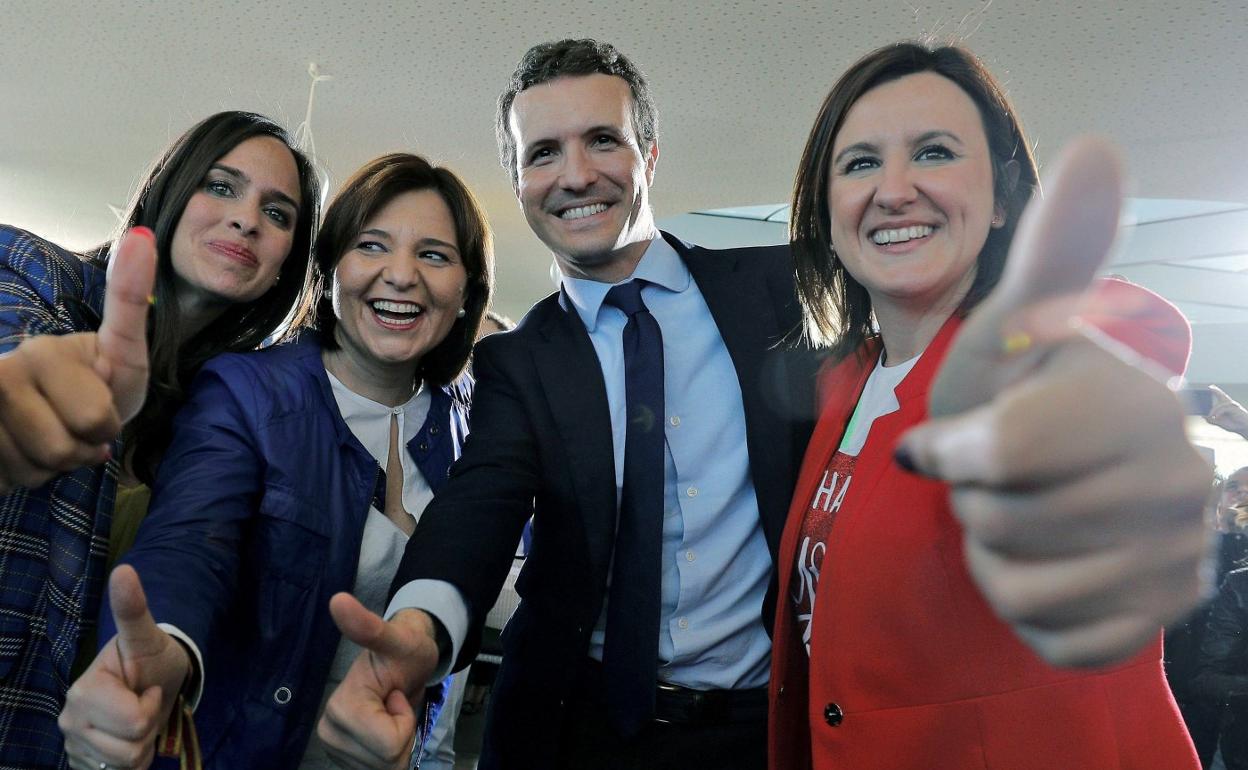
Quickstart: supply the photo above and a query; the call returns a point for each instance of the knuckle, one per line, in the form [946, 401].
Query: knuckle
[56, 453]
[1014, 440]
[983, 519]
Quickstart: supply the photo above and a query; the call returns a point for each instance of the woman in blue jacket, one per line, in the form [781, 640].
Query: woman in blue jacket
[294, 473]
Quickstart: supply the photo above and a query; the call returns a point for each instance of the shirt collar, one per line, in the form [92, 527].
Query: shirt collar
[659, 265]
[354, 406]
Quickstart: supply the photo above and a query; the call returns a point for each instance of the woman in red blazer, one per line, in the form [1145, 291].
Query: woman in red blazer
[906, 203]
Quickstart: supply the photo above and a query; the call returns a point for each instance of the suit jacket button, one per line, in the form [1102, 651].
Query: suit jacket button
[833, 715]
[434, 430]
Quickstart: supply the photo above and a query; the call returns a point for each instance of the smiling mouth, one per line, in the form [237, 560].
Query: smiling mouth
[396, 313]
[886, 236]
[580, 212]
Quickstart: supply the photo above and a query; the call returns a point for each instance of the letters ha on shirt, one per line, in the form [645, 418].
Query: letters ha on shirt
[878, 399]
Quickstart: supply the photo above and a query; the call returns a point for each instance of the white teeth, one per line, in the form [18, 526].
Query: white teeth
[396, 307]
[580, 212]
[901, 234]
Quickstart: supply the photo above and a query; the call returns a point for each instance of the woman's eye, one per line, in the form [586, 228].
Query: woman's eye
[934, 152]
[372, 247]
[860, 164]
[280, 216]
[434, 256]
[219, 187]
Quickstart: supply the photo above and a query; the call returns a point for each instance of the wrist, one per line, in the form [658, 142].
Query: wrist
[427, 625]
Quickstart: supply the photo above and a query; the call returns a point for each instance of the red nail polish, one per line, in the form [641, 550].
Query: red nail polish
[146, 232]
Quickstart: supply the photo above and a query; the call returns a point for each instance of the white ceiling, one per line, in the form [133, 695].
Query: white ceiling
[92, 91]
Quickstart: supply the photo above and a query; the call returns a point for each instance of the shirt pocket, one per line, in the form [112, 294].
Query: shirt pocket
[291, 539]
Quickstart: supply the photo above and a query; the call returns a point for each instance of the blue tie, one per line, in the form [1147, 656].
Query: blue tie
[631, 647]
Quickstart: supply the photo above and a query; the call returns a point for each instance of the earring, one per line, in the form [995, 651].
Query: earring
[996, 220]
[327, 293]
[461, 313]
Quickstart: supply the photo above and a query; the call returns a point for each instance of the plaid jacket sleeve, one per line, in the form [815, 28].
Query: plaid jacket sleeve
[53, 539]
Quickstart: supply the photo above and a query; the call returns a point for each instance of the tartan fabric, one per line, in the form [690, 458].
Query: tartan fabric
[53, 539]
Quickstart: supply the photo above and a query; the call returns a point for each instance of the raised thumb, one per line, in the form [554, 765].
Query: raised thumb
[122, 338]
[137, 634]
[1061, 242]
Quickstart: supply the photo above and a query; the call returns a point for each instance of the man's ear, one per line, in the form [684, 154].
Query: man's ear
[652, 159]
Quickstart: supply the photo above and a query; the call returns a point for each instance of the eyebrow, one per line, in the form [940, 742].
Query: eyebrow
[602, 128]
[926, 136]
[238, 174]
[380, 233]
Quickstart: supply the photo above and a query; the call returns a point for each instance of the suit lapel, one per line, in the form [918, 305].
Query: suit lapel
[572, 381]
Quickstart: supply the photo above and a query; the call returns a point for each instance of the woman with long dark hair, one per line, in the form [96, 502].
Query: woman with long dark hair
[225, 220]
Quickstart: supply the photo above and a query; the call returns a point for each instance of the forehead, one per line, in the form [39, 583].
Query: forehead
[569, 106]
[420, 213]
[267, 162]
[911, 105]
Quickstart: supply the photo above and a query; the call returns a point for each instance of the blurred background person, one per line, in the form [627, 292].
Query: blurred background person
[1222, 671]
[294, 473]
[218, 235]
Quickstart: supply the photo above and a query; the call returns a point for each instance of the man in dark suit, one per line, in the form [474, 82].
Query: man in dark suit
[650, 416]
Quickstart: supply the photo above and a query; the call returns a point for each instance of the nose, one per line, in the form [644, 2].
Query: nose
[245, 217]
[400, 271]
[578, 170]
[896, 189]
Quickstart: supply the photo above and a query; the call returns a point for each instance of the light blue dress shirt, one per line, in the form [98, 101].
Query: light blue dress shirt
[715, 560]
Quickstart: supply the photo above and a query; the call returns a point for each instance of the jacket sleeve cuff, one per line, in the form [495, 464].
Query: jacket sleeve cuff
[193, 688]
[444, 603]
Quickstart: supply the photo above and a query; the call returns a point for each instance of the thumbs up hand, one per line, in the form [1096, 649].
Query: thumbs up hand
[114, 711]
[370, 719]
[64, 398]
[1079, 495]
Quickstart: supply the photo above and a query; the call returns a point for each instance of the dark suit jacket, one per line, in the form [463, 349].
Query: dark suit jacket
[541, 446]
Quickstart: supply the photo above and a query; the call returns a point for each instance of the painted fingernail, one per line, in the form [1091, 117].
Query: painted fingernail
[905, 460]
[146, 232]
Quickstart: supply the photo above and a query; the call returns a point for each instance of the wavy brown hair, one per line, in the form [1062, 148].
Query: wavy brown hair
[366, 193]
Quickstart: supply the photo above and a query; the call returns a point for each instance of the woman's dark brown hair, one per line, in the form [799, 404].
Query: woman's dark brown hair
[366, 193]
[837, 308]
[158, 204]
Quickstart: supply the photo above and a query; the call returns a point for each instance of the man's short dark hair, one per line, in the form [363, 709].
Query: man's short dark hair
[548, 61]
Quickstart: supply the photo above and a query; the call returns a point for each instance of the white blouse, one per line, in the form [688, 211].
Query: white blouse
[383, 543]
